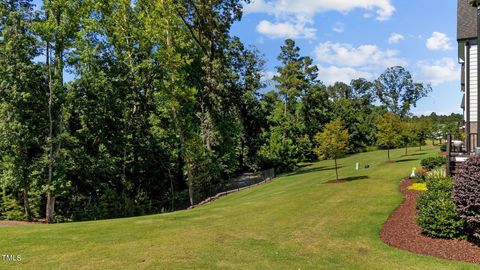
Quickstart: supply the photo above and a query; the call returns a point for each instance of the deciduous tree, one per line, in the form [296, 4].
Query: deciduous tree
[332, 142]
[389, 131]
[396, 89]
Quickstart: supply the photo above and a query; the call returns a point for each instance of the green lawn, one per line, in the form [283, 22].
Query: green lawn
[295, 222]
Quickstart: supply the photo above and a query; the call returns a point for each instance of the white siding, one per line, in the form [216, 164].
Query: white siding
[473, 84]
[465, 106]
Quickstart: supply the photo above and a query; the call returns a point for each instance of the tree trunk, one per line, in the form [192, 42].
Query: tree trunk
[388, 153]
[173, 194]
[406, 149]
[336, 169]
[50, 211]
[26, 205]
[190, 185]
[49, 214]
[242, 155]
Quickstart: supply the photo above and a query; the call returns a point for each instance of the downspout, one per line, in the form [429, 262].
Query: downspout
[467, 100]
[478, 77]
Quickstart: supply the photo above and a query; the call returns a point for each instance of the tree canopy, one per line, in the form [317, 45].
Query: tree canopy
[332, 142]
[396, 89]
[163, 106]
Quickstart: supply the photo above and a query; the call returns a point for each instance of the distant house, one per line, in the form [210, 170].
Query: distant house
[467, 57]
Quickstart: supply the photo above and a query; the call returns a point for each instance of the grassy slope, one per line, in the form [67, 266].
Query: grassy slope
[295, 222]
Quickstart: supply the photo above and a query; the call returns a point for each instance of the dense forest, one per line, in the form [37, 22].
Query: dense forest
[161, 104]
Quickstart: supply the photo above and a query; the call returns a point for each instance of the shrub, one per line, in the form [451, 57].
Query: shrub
[466, 194]
[11, 210]
[433, 162]
[440, 183]
[438, 172]
[437, 214]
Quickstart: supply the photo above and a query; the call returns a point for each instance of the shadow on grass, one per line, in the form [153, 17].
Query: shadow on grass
[312, 170]
[406, 160]
[354, 178]
[416, 154]
[304, 165]
[347, 180]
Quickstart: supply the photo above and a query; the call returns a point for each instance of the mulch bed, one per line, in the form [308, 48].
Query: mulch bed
[401, 231]
[339, 181]
[390, 161]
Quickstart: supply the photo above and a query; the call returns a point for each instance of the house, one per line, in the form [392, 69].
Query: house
[468, 58]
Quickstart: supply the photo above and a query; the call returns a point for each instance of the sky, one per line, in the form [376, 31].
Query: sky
[361, 38]
[349, 39]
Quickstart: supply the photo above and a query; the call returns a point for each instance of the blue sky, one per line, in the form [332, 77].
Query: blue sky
[360, 38]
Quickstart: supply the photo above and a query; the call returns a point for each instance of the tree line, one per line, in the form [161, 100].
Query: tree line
[161, 104]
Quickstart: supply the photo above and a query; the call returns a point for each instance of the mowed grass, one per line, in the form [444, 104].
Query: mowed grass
[294, 222]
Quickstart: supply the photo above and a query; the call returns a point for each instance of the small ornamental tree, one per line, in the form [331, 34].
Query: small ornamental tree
[408, 134]
[466, 192]
[332, 142]
[389, 131]
[423, 128]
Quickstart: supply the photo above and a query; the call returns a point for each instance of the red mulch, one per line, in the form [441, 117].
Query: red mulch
[339, 181]
[390, 161]
[401, 231]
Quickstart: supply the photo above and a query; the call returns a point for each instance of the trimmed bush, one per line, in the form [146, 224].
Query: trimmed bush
[466, 194]
[433, 162]
[437, 215]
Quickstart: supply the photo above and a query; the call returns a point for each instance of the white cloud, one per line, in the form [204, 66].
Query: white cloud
[383, 8]
[344, 62]
[395, 38]
[285, 30]
[439, 71]
[367, 15]
[298, 14]
[439, 41]
[350, 56]
[267, 77]
[331, 74]
[338, 27]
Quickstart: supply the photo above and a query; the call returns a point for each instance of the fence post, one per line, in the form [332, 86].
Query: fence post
[449, 151]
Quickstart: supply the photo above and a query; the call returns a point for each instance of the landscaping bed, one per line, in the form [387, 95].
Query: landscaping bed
[401, 231]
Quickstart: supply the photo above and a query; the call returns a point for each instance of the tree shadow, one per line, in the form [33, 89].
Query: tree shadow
[354, 178]
[312, 170]
[347, 180]
[304, 165]
[416, 154]
[406, 160]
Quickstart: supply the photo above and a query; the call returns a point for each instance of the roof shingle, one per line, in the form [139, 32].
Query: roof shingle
[466, 21]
